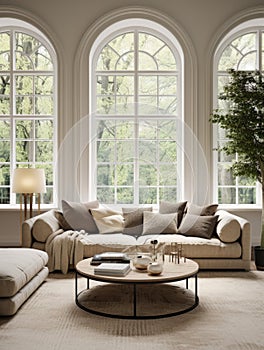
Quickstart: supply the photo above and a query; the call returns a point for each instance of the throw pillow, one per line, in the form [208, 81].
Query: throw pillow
[156, 223]
[133, 220]
[228, 229]
[169, 208]
[107, 220]
[206, 210]
[198, 226]
[78, 216]
[45, 226]
[62, 222]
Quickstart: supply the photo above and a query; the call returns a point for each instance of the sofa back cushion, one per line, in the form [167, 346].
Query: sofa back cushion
[78, 216]
[45, 226]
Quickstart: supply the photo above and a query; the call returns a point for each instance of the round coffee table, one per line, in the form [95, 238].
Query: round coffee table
[172, 272]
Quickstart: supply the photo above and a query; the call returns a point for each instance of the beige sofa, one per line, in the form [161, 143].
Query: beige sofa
[228, 248]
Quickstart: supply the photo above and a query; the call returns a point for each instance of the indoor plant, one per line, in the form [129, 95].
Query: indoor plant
[243, 121]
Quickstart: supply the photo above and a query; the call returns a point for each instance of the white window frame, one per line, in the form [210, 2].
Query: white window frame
[15, 25]
[257, 26]
[107, 35]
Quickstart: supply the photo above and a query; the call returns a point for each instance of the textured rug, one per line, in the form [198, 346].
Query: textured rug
[230, 316]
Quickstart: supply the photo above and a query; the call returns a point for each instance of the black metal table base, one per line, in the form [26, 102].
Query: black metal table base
[135, 315]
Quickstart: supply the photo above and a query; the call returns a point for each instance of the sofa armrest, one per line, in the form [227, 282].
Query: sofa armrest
[245, 233]
[27, 227]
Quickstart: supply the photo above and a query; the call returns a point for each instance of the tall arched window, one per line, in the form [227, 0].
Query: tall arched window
[241, 49]
[27, 104]
[136, 114]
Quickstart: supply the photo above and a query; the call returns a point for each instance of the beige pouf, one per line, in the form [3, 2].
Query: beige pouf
[22, 270]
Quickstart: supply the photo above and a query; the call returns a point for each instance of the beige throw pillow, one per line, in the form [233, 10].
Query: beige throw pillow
[198, 226]
[78, 216]
[107, 220]
[133, 220]
[156, 223]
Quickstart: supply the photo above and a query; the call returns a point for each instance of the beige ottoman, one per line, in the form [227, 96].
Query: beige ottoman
[22, 270]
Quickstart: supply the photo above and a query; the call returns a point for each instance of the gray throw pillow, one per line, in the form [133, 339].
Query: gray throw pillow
[206, 210]
[156, 223]
[169, 208]
[198, 226]
[78, 216]
[133, 220]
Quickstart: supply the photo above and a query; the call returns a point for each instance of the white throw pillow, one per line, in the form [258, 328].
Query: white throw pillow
[108, 220]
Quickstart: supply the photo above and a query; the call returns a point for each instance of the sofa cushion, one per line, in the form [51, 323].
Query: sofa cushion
[17, 267]
[228, 229]
[156, 223]
[45, 226]
[198, 226]
[206, 210]
[133, 220]
[78, 216]
[107, 220]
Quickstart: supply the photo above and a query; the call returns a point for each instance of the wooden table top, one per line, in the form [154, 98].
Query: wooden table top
[171, 272]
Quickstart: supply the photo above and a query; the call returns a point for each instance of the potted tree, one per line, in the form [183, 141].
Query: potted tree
[243, 121]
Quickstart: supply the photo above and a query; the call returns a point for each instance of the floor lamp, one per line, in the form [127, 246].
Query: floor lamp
[26, 182]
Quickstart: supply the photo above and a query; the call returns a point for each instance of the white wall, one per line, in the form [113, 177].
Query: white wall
[66, 22]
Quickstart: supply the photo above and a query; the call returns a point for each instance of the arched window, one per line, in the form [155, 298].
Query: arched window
[136, 114]
[241, 49]
[27, 105]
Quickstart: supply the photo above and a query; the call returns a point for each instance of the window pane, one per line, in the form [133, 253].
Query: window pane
[227, 195]
[168, 105]
[44, 105]
[124, 130]
[106, 195]
[105, 175]
[146, 62]
[24, 85]
[44, 129]
[4, 195]
[148, 151]
[105, 151]
[168, 85]
[4, 174]
[44, 85]
[165, 59]
[168, 194]
[4, 151]
[225, 175]
[148, 85]
[247, 195]
[24, 105]
[148, 129]
[44, 151]
[149, 43]
[25, 151]
[168, 175]
[47, 197]
[125, 174]
[237, 50]
[24, 129]
[4, 129]
[48, 169]
[125, 195]
[167, 151]
[4, 51]
[147, 195]
[148, 175]
[31, 54]
[124, 151]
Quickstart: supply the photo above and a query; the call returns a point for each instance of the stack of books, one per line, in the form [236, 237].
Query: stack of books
[112, 269]
[110, 257]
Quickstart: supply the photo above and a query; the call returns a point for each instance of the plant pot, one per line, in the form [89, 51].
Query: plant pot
[259, 257]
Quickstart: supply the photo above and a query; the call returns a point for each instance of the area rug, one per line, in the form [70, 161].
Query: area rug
[230, 315]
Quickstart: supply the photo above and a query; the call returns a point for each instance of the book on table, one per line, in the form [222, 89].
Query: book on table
[112, 269]
[108, 257]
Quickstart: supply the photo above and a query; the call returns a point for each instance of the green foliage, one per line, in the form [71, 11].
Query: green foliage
[243, 122]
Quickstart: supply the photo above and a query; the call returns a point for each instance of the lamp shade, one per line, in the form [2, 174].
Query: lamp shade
[29, 180]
